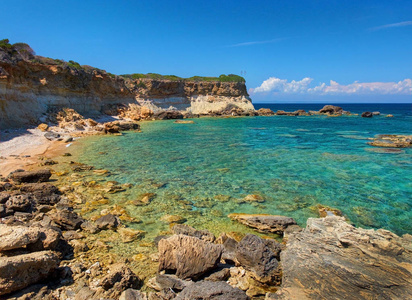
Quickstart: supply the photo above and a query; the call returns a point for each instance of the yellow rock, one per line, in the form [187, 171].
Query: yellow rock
[173, 219]
[43, 127]
[139, 257]
[129, 235]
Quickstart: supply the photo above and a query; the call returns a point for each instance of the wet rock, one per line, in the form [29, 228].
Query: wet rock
[190, 257]
[119, 279]
[108, 221]
[264, 223]
[89, 227]
[376, 113]
[184, 122]
[19, 271]
[364, 264]
[67, 219]
[15, 237]
[265, 112]
[209, 290]
[30, 176]
[173, 219]
[392, 141]
[132, 294]
[129, 235]
[367, 114]
[254, 198]
[190, 231]
[255, 255]
[331, 110]
[20, 203]
[166, 115]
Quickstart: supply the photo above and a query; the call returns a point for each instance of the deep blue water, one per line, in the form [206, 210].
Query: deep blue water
[294, 163]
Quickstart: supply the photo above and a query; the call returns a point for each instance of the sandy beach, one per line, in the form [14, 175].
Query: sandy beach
[22, 148]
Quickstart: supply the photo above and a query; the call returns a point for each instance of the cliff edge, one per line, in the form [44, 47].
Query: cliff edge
[32, 86]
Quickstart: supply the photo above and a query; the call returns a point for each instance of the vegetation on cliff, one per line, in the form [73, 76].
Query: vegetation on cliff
[221, 78]
[22, 51]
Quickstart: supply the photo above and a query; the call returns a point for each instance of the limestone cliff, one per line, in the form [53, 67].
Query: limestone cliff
[31, 86]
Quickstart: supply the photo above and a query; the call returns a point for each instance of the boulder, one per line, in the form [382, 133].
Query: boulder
[132, 294]
[108, 221]
[166, 281]
[190, 231]
[209, 290]
[263, 222]
[367, 114]
[48, 240]
[52, 136]
[30, 176]
[188, 256]
[19, 271]
[331, 110]
[119, 279]
[15, 237]
[331, 259]
[67, 219]
[19, 203]
[255, 255]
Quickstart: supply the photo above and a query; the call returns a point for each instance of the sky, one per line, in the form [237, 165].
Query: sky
[288, 51]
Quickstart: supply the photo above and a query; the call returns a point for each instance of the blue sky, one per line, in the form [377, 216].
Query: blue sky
[290, 50]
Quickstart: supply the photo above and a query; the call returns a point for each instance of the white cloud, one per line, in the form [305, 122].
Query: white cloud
[400, 24]
[257, 42]
[278, 86]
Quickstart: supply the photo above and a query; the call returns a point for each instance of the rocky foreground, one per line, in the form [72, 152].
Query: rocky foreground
[41, 237]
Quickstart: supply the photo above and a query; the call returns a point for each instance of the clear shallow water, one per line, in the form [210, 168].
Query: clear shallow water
[203, 171]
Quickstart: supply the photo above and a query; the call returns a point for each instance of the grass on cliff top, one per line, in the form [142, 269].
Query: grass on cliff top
[221, 78]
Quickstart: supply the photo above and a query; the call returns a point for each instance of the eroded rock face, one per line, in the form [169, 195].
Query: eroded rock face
[331, 110]
[190, 257]
[15, 237]
[256, 255]
[120, 278]
[264, 223]
[20, 271]
[30, 176]
[209, 290]
[331, 259]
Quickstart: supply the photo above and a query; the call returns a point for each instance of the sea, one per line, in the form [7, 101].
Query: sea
[204, 171]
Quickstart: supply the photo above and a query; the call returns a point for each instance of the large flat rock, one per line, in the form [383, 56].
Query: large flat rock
[264, 223]
[189, 256]
[15, 237]
[331, 259]
[18, 272]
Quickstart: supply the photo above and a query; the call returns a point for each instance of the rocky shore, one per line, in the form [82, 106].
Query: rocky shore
[46, 251]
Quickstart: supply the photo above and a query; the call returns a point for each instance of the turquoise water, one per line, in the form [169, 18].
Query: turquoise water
[294, 163]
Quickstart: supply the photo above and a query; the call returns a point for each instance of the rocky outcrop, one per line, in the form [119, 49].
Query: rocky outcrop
[32, 86]
[331, 259]
[188, 256]
[264, 223]
[392, 141]
[209, 290]
[367, 114]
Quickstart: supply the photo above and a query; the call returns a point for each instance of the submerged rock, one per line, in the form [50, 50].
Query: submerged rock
[209, 290]
[264, 223]
[331, 259]
[19, 271]
[190, 257]
[392, 141]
